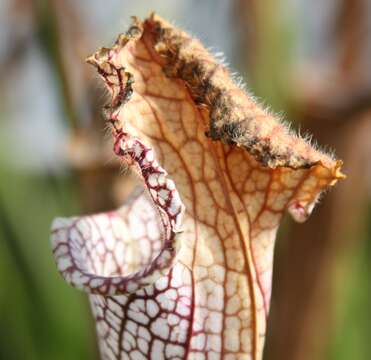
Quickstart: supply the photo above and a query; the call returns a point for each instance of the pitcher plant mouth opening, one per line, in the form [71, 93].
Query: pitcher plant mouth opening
[182, 270]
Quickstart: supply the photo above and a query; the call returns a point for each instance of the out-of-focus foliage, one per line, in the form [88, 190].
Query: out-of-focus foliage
[47, 98]
[41, 318]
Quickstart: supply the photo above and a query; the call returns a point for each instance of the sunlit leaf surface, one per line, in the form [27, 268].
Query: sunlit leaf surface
[183, 269]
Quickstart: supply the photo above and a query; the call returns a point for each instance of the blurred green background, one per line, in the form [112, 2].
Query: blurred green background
[310, 60]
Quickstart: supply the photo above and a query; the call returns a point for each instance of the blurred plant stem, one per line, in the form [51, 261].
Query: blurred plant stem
[265, 49]
[33, 303]
[47, 31]
[35, 300]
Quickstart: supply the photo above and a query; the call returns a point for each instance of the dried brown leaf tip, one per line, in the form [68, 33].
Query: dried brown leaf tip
[183, 269]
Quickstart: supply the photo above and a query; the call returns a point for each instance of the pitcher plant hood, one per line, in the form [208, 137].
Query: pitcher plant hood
[183, 269]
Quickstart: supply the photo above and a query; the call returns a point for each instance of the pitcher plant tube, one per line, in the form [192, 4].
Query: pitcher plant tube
[183, 269]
